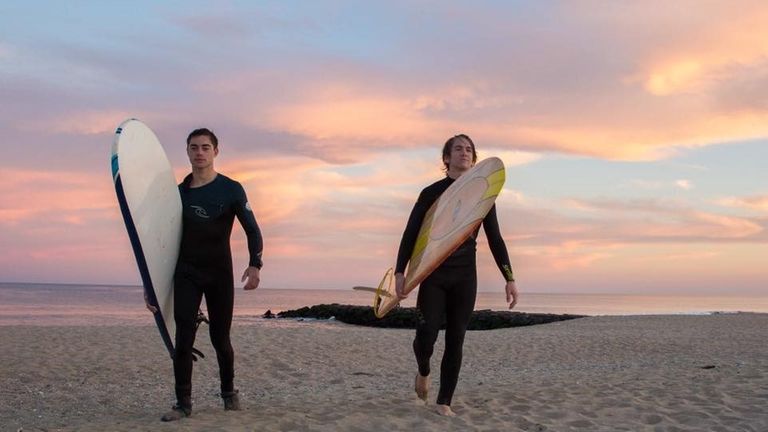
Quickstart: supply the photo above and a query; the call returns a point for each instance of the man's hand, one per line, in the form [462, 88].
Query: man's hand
[149, 306]
[400, 286]
[251, 278]
[512, 294]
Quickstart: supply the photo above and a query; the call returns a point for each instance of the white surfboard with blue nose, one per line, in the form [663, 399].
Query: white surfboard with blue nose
[151, 207]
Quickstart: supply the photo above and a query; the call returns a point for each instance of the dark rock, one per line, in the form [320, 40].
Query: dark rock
[408, 317]
[268, 314]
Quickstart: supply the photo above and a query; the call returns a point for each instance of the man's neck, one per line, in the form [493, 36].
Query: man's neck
[455, 174]
[202, 176]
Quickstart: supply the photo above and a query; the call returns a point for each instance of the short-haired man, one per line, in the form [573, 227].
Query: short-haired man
[210, 203]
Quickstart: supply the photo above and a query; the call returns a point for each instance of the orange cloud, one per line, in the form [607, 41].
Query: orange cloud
[510, 158]
[291, 187]
[344, 123]
[275, 185]
[672, 78]
[759, 203]
[693, 65]
[348, 117]
[562, 258]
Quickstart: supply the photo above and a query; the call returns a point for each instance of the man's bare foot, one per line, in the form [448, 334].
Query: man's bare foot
[421, 385]
[176, 413]
[444, 410]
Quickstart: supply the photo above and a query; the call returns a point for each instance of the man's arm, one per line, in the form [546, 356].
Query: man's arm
[500, 255]
[244, 214]
[408, 241]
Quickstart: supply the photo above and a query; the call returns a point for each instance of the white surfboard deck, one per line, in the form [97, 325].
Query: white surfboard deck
[447, 224]
[151, 207]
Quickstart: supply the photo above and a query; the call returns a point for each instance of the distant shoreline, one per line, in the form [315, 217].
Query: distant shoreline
[68, 303]
[346, 290]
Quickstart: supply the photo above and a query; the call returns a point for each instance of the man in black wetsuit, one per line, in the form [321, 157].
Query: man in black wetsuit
[210, 203]
[449, 292]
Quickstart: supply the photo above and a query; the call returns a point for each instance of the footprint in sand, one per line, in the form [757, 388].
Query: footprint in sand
[580, 424]
[652, 419]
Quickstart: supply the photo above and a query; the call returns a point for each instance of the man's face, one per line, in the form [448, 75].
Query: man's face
[201, 152]
[461, 155]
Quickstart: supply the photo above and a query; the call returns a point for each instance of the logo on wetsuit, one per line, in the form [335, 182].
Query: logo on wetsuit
[200, 212]
[248, 206]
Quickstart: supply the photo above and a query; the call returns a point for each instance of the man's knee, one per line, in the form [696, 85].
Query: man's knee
[426, 333]
[185, 335]
[221, 342]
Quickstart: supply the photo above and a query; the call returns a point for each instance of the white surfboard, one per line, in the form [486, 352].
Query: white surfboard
[447, 224]
[151, 207]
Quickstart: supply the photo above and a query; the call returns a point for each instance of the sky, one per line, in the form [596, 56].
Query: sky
[634, 134]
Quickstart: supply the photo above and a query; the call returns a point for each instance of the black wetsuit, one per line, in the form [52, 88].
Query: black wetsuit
[205, 268]
[448, 294]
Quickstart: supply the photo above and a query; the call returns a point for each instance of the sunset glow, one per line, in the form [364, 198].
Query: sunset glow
[634, 139]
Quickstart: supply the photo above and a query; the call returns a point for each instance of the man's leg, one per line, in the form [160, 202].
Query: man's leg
[459, 306]
[430, 305]
[187, 296]
[220, 302]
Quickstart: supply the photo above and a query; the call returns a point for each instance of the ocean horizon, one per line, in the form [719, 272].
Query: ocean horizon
[81, 304]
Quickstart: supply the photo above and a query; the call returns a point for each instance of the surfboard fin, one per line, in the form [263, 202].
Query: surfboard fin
[201, 318]
[371, 289]
[195, 353]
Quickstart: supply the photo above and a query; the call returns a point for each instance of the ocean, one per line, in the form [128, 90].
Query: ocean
[60, 304]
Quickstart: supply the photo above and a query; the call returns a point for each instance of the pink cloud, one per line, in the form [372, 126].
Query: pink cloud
[79, 123]
[606, 236]
[30, 194]
[651, 220]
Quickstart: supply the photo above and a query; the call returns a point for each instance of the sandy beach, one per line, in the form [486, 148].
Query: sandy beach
[637, 373]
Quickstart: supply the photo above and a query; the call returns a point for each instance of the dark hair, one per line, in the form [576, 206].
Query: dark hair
[449, 145]
[204, 132]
